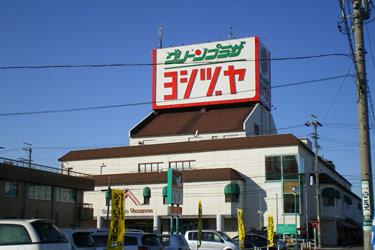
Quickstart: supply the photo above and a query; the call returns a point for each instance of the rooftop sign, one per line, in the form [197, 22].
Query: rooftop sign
[222, 72]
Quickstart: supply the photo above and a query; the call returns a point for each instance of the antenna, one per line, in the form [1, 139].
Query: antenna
[231, 35]
[160, 34]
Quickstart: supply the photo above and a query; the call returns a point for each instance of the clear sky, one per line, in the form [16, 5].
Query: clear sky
[108, 32]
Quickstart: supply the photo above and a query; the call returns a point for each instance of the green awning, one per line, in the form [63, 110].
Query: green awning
[231, 189]
[338, 194]
[329, 192]
[348, 200]
[165, 191]
[147, 192]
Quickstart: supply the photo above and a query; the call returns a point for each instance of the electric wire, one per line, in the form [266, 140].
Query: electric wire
[9, 67]
[102, 107]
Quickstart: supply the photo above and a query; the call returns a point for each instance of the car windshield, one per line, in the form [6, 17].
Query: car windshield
[83, 239]
[150, 240]
[100, 240]
[47, 232]
[225, 237]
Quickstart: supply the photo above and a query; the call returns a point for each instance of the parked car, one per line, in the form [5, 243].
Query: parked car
[174, 242]
[34, 234]
[133, 240]
[211, 239]
[79, 239]
[253, 241]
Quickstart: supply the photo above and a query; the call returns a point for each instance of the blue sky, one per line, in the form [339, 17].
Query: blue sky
[107, 32]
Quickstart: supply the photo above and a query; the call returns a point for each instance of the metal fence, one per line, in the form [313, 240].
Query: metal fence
[26, 164]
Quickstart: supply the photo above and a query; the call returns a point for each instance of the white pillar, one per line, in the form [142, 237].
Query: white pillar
[220, 222]
[99, 222]
[157, 224]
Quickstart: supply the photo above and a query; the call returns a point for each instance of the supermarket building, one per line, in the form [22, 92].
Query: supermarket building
[227, 147]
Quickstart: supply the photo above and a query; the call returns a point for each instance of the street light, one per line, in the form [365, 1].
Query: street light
[295, 190]
[101, 168]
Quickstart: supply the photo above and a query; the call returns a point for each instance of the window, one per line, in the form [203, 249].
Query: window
[291, 203]
[40, 192]
[329, 201]
[13, 235]
[181, 165]
[232, 198]
[65, 194]
[11, 189]
[130, 241]
[256, 129]
[290, 167]
[273, 168]
[47, 232]
[146, 200]
[149, 167]
[281, 167]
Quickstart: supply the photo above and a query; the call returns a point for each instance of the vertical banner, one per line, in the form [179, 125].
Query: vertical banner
[270, 231]
[199, 223]
[241, 229]
[117, 228]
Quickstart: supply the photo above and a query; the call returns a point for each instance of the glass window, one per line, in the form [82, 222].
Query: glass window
[40, 192]
[208, 236]
[273, 168]
[329, 201]
[291, 203]
[193, 236]
[256, 129]
[150, 240]
[181, 165]
[11, 189]
[232, 198]
[47, 232]
[130, 241]
[83, 239]
[65, 194]
[146, 200]
[290, 167]
[150, 167]
[13, 234]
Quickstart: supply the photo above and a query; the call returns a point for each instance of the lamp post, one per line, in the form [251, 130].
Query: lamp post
[101, 168]
[294, 189]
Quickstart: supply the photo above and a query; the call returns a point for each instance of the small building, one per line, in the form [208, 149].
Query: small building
[37, 191]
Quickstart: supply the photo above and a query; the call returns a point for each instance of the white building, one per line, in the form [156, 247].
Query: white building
[265, 174]
[227, 147]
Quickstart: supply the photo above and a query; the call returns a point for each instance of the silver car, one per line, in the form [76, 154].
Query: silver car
[211, 239]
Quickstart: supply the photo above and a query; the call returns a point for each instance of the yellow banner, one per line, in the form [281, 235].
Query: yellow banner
[241, 229]
[199, 223]
[270, 231]
[117, 228]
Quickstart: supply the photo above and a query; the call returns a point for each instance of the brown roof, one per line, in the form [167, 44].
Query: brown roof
[182, 122]
[184, 147]
[217, 174]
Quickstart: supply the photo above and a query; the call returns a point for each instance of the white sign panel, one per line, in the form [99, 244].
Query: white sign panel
[366, 203]
[222, 72]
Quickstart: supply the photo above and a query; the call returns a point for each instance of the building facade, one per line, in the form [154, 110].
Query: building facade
[212, 121]
[43, 192]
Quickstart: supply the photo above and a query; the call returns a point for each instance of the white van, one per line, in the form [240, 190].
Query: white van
[211, 239]
[34, 234]
[79, 239]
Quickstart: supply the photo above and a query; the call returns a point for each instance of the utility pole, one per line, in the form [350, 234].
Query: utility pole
[359, 13]
[28, 149]
[315, 123]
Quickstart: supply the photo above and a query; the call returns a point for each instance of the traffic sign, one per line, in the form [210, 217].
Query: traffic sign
[314, 224]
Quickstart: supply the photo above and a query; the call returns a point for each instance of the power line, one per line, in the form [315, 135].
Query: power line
[39, 112]
[337, 94]
[10, 67]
